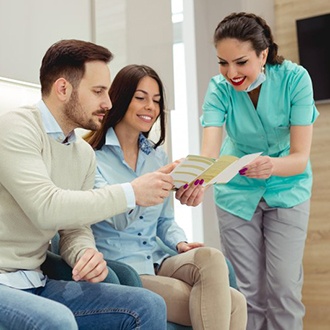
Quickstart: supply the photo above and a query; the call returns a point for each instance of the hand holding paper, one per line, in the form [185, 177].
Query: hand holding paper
[219, 170]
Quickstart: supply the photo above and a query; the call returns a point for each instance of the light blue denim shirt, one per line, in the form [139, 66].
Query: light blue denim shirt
[285, 100]
[131, 237]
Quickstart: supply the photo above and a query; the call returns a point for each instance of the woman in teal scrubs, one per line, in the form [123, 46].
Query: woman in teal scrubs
[266, 104]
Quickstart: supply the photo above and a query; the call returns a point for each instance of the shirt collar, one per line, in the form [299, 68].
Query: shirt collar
[144, 143]
[51, 126]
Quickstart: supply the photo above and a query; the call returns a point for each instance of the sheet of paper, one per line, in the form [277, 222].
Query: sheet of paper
[189, 169]
[228, 173]
[219, 165]
[219, 170]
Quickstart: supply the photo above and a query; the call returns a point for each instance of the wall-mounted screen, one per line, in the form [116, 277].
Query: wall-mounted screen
[314, 52]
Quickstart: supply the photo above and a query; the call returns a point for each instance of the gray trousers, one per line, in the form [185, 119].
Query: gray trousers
[267, 254]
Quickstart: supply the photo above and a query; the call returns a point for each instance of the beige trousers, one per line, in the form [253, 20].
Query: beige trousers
[196, 290]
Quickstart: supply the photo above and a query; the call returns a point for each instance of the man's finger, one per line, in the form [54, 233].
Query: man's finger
[167, 169]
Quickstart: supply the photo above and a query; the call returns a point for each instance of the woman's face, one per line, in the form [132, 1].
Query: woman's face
[239, 63]
[144, 108]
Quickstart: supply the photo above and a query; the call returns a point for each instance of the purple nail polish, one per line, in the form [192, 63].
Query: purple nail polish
[196, 182]
[201, 182]
[185, 186]
[242, 171]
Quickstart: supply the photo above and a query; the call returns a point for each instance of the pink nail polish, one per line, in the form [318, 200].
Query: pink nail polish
[201, 182]
[196, 182]
[185, 186]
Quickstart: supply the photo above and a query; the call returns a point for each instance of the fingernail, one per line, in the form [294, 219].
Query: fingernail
[196, 182]
[201, 182]
[185, 186]
[242, 171]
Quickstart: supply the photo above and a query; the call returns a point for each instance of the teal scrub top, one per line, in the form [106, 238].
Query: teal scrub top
[285, 100]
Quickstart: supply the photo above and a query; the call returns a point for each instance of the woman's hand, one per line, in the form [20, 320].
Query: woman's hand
[260, 168]
[184, 246]
[191, 195]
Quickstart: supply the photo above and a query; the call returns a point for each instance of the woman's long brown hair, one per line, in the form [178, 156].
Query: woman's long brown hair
[121, 93]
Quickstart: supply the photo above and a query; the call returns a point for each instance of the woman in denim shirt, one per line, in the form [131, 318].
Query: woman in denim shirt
[194, 283]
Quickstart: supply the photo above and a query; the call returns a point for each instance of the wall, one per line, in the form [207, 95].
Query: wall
[28, 28]
[137, 32]
[317, 252]
[126, 27]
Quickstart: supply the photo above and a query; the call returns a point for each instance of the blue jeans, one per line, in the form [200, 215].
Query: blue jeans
[72, 305]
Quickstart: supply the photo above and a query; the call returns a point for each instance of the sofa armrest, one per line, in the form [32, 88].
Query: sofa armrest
[125, 273]
[56, 268]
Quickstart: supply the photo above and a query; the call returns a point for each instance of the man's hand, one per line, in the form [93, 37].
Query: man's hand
[151, 188]
[91, 267]
[184, 246]
[190, 195]
[169, 167]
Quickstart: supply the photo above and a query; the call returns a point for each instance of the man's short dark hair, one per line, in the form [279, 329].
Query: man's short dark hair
[67, 58]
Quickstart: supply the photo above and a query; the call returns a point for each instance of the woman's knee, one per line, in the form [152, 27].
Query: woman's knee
[208, 257]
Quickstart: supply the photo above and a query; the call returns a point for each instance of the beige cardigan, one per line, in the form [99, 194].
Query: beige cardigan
[46, 186]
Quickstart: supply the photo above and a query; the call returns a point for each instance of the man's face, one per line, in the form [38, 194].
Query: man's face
[89, 102]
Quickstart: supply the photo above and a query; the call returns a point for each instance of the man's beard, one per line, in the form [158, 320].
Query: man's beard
[76, 114]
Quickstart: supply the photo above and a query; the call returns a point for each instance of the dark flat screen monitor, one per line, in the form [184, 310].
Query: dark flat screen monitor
[314, 52]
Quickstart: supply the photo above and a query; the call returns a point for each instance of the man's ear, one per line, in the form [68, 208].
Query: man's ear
[63, 89]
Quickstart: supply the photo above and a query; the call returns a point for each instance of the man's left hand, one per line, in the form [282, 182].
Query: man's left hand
[91, 267]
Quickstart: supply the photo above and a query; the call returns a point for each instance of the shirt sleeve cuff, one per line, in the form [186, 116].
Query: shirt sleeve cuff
[130, 196]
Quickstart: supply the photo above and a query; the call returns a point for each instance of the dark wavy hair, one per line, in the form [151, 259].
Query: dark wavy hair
[249, 27]
[121, 93]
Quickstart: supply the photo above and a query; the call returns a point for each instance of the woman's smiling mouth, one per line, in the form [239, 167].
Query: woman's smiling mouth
[237, 81]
